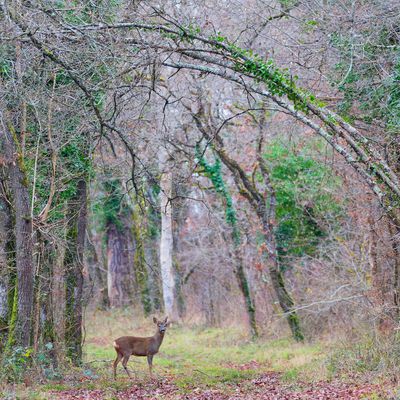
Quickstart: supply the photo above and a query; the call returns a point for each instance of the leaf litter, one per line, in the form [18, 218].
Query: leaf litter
[268, 386]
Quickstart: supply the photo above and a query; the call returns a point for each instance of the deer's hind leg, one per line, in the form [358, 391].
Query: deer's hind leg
[116, 362]
[124, 363]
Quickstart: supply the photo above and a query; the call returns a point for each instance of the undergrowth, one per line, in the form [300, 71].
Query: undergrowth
[372, 354]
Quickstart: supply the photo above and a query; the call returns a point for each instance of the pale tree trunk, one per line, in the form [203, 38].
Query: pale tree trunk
[166, 240]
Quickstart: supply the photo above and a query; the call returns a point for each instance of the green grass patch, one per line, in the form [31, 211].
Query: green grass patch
[291, 375]
[189, 357]
[205, 357]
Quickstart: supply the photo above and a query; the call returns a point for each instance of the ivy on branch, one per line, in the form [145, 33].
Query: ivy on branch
[214, 173]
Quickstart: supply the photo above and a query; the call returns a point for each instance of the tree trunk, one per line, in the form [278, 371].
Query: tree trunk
[151, 245]
[394, 231]
[278, 283]
[180, 300]
[23, 237]
[74, 269]
[141, 272]
[120, 275]
[376, 275]
[209, 307]
[97, 265]
[44, 332]
[245, 289]
[153, 270]
[396, 274]
[59, 300]
[7, 267]
[166, 245]
[267, 216]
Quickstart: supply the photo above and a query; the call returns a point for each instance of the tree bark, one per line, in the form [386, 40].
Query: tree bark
[141, 272]
[44, 331]
[120, 274]
[166, 242]
[58, 295]
[74, 272]
[23, 236]
[153, 271]
[97, 265]
[7, 267]
[245, 289]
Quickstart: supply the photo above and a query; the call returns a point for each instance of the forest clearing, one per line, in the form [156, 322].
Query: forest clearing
[209, 363]
[200, 199]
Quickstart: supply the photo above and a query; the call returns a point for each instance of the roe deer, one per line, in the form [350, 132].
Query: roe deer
[126, 346]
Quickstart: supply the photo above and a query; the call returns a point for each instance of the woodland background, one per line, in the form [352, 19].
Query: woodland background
[229, 164]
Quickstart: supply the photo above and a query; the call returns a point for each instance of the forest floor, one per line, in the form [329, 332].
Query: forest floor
[204, 364]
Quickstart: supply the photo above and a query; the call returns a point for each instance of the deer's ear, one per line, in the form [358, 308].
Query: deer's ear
[168, 324]
[155, 320]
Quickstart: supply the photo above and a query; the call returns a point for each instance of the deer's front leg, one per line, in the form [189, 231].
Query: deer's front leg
[150, 362]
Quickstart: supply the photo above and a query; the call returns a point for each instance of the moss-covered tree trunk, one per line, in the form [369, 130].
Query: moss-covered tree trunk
[245, 289]
[44, 333]
[151, 247]
[74, 276]
[23, 236]
[7, 265]
[141, 272]
[58, 299]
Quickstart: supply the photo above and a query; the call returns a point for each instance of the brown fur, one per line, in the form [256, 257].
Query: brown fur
[125, 346]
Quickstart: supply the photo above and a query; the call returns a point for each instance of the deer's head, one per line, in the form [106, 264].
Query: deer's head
[161, 325]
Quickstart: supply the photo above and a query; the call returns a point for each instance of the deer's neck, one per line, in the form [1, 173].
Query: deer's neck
[158, 338]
